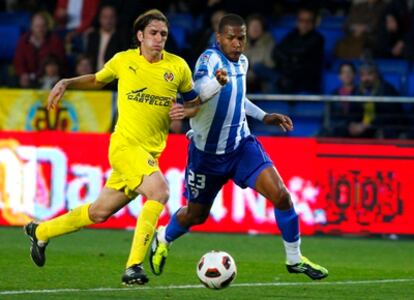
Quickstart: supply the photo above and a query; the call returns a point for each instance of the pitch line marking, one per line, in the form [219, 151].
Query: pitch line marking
[199, 286]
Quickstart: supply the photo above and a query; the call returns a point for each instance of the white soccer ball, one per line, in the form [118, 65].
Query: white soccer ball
[216, 269]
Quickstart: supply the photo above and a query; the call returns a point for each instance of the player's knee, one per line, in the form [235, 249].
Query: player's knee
[98, 216]
[284, 201]
[198, 219]
[161, 195]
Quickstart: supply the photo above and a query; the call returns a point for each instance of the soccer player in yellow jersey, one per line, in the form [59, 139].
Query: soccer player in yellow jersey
[148, 81]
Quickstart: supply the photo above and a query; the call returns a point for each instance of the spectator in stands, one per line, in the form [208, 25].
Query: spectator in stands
[259, 47]
[346, 75]
[51, 72]
[354, 44]
[74, 18]
[389, 41]
[106, 41]
[207, 37]
[33, 48]
[378, 119]
[299, 57]
[343, 113]
[366, 15]
[83, 65]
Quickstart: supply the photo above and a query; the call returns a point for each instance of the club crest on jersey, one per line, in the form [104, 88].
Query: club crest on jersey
[152, 162]
[168, 76]
[204, 59]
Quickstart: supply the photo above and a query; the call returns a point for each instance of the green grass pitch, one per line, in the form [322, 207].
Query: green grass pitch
[89, 265]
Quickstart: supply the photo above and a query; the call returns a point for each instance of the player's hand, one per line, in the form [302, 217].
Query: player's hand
[221, 76]
[56, 94]
[177, 112]
[279, 120]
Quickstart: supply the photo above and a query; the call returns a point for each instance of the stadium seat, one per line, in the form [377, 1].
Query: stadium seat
[410, 85]
[331, 36]
[305, 127]
[9, 36]
[279, 33]
[332, 22]
[307, 118]
[330, 82]
[337, 63]
[183, 20]
[179, 35]
[400, 66]
[281, 107]
[258, 128]
[308, 109]
[20, 19]
[395, 80]
[286, 21]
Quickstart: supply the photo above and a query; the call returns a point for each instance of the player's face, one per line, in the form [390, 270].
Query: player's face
[153, 37]
[232, 41]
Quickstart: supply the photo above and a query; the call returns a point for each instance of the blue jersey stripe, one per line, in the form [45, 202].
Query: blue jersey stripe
[235, 123]
[220, 113]
[218, 120]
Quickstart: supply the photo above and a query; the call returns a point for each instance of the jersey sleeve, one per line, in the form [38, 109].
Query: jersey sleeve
[110, 70]
[186, 85]
[205, 65]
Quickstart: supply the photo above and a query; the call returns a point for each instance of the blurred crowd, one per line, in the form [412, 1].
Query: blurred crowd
[294, 47]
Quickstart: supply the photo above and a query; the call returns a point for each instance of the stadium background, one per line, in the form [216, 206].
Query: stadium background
[353, 195]
[53, 161]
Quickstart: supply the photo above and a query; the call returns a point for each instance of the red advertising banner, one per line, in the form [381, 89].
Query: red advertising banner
[338, 187]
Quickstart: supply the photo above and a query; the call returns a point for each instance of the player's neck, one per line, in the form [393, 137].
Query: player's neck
[151, 57]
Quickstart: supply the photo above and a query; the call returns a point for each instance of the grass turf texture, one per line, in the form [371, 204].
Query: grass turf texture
[91, 259]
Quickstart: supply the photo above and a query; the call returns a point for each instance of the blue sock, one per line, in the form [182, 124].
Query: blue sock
[174, 230]
[288, 223]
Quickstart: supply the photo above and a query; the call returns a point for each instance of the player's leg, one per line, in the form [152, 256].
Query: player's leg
[179, 224]
[256, 170]
[109, 201]
[201, 190]
[270, 184]
[155, 189]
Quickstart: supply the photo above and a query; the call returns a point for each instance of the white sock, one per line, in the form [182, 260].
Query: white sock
[161, 235]
[293, 255]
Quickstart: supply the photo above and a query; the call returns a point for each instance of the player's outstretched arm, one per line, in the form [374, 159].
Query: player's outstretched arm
[80, 82]
[279, 120]
[257, 113]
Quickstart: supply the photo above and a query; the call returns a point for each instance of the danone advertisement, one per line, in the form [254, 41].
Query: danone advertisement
[338, 187]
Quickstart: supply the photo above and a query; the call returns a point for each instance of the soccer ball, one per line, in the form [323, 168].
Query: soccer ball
[216, 269]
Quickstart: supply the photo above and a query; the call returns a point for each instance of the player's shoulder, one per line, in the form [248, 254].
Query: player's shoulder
[125, 54]
[210, 57]
[174, 59]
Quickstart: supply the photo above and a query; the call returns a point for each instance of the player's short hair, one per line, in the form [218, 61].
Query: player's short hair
[230, 20]
[144, 19]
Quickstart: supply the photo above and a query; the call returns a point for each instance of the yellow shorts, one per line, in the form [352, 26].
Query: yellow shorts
[130, 163]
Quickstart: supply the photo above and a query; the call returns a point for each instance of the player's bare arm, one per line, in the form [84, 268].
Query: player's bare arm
[279, 120]
[80, 82]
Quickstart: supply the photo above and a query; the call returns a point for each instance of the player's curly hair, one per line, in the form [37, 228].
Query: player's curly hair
[144, 19]
[230, 20]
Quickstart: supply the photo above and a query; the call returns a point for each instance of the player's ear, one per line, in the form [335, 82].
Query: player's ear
[140, 36]
[218, 36]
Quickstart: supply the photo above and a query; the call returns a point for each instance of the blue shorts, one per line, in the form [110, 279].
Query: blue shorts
[206, 173]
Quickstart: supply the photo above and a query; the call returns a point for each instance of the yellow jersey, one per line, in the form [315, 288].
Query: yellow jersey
[146, 92]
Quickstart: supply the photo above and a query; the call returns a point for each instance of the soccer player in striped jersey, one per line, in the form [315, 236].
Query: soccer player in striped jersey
[148, 81]
[222, 148]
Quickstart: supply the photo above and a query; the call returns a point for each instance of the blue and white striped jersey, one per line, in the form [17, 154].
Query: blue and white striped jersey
[221, 123]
